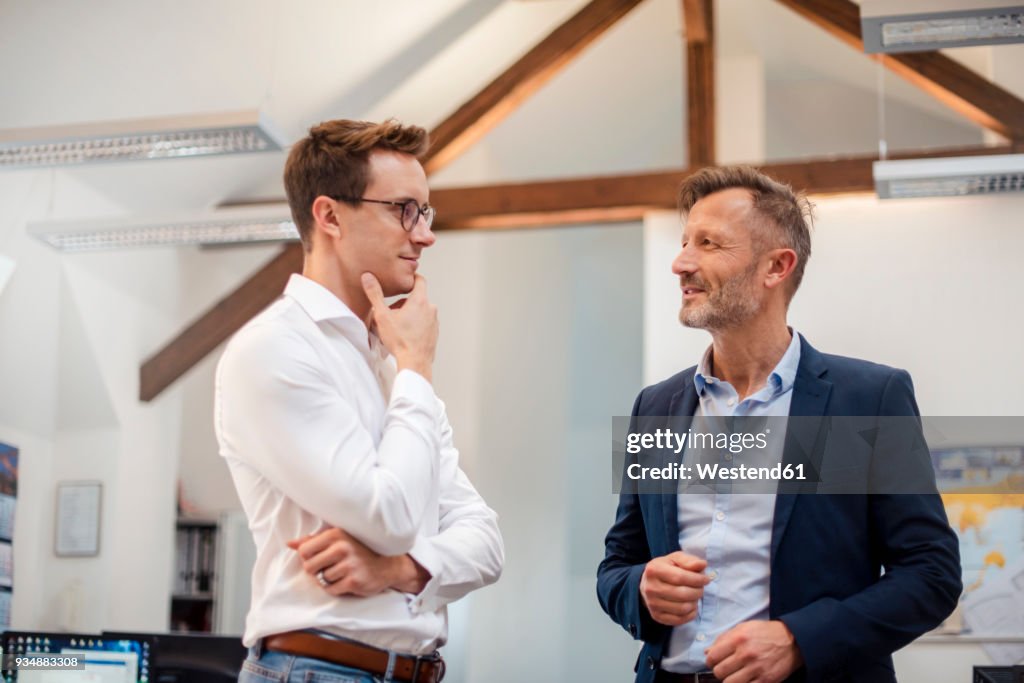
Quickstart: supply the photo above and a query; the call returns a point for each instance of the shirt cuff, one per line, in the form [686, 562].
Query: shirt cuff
[426, 556]
[414, 387]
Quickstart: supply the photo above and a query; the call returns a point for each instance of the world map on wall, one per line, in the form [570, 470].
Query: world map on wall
[981, 489]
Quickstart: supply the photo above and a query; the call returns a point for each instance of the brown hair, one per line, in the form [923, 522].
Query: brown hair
[787, 215]
[333, 161]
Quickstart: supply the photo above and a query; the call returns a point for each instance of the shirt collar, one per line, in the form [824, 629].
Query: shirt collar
[700, 378]
[779, 381]
[322, 305]
[317, 301]
[784, 374]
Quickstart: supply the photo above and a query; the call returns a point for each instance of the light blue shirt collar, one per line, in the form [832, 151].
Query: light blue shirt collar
[779, 381]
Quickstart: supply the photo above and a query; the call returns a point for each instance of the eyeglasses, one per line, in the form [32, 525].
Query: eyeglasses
[411, 210]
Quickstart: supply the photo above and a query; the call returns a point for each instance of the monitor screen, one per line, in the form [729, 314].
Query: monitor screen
[192, 657]
[105, 660]
[999, 674]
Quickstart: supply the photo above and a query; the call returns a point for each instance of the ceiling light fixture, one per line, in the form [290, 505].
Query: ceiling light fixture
[236, 225]
[949, 177]
[892, 26]
[135, 140]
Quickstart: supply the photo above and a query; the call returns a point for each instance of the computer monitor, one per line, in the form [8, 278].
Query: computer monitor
[192, 657]
[999, 674]
[106, 660]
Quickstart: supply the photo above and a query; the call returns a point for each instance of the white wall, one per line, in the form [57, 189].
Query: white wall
[617, 108]
[560, 356]
[932, 286]
[75, 331]
[207, 275]
[28, 373]
[798, 112]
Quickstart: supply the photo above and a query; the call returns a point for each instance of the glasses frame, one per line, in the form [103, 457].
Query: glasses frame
[424, 211]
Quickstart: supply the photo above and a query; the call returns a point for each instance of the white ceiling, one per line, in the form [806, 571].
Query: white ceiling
[302, 61]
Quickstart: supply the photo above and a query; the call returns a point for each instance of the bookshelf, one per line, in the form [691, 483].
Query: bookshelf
[193, 595]
[210, 581]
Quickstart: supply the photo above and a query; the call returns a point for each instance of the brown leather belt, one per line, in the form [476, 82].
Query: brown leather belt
[409, 669]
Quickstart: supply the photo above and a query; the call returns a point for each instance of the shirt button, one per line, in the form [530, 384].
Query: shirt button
[713, 574]
[701, 637]
[709, 380]
[728, 456]
[719, 515]
[731, 402]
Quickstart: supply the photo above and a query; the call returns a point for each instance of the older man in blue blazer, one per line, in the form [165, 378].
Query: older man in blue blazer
[775, 586]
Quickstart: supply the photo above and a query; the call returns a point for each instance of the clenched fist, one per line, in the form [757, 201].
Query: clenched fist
[671, 587]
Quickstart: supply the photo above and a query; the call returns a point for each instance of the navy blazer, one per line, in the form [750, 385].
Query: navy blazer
[828, 551]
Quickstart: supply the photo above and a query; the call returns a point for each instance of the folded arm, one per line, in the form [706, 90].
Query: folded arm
[467, 553]
[280, 414]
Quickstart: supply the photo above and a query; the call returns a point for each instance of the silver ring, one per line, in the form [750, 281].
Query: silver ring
[321, 579]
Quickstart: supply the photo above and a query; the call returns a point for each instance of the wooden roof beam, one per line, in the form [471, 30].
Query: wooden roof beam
[611, 199]
[600, 199]
[215, 326]
[699, 25]
[953, 84]
[449, 139]
[503, 95]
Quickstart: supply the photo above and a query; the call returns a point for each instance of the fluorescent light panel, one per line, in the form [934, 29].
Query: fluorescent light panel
[260, 223]
[140, 139]
[978, 30]
[892, 26]
[949, 177]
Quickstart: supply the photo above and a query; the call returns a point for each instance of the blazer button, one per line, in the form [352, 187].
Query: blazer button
[650, 663]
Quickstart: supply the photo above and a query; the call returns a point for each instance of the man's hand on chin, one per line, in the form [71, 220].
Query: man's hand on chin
[762, 651]
[348, 567]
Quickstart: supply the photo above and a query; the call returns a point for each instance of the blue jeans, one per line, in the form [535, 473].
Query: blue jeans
[264, 666]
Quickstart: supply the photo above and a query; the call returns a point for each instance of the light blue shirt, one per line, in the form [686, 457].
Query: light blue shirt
[732, 532]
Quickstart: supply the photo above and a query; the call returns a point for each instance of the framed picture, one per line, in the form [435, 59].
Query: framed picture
[78, 519]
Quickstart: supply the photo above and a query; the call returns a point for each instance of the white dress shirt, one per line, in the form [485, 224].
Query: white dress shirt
[731, 531]
[320, 431]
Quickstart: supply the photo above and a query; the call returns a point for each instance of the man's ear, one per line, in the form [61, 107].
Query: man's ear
[325, 216]
[780, 266]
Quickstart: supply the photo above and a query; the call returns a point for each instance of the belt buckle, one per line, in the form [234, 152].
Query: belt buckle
[438, 674]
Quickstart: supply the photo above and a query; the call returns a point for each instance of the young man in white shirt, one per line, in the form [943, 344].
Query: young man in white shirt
[342, 455]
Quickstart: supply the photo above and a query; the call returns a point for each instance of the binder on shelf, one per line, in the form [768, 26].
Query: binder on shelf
[205, 545]
[207, 551]
[179, 562]
[193, 568]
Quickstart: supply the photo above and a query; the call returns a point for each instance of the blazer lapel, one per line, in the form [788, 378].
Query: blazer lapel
[810, 399]
[682, 405]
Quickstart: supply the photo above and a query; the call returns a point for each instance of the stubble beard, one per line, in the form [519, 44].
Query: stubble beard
[728, 306]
